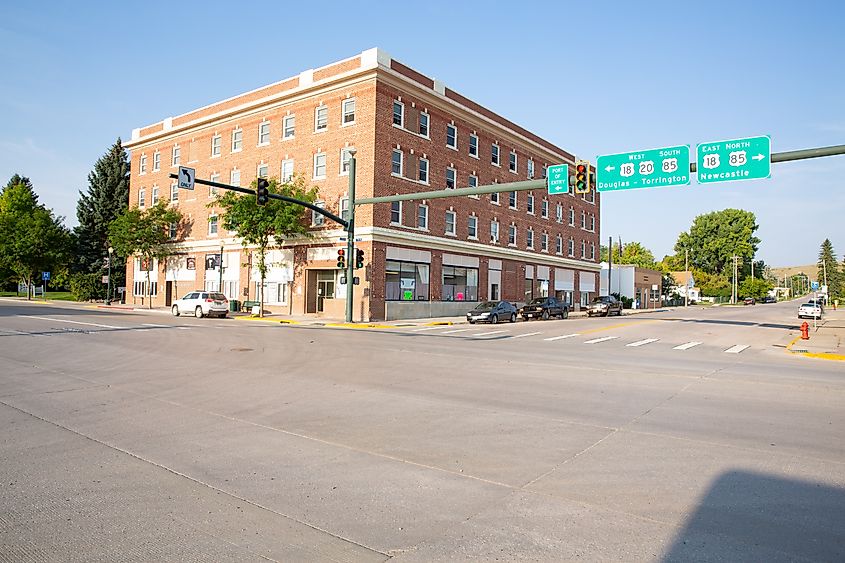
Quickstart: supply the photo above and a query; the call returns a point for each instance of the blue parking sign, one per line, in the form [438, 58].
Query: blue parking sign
[45, 276]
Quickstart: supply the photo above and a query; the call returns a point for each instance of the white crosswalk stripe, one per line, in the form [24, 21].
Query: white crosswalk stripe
[602, 339]
[456, 331]
[490, 333]
[430, 328]
[736, 349]
[686, 346]
[642, 342]
[526, 334]
[573, 335]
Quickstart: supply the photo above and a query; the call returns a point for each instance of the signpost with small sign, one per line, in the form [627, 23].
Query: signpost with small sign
[655, 168]
[186, 178]
[557, 179]
[737, 159]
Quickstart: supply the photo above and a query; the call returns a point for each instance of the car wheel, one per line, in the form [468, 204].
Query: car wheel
[565, 314]
[525, 319]
[198, 312]
[513, 317]
[175, 310]
[494, 319]
[546, 315]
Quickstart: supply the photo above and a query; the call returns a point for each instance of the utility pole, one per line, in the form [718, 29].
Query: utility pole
[686, 271]
[220, 281]
[824, 266]
[350, 239]
[610, 264]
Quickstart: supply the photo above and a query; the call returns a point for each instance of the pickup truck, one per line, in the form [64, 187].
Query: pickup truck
[544, 308]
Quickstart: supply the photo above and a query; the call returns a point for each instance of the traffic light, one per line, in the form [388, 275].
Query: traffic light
[582, 176]
[262, 191]
[341, 258]
[359, 258]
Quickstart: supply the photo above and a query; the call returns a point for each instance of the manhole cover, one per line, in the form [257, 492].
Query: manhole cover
[241, 349]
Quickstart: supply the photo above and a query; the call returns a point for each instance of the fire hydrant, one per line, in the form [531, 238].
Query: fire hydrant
[805, 331]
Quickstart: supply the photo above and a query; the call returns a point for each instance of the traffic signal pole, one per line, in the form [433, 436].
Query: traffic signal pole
[350, 239]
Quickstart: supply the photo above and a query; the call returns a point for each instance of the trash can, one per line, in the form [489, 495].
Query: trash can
[234, 305]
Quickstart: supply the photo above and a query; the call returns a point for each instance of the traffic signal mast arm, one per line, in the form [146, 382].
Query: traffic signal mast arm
[309, 205]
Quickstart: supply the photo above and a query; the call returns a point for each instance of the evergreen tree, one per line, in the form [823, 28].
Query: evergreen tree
[18, 180]
[106, 198]
[827, 261]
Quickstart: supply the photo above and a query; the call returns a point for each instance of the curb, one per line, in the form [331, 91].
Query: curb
[818, 355]
[358, 325]
[265, 320]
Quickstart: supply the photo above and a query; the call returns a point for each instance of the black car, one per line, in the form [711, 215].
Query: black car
[605, 306]
[544, 308]
[768, 299]
[492, 312]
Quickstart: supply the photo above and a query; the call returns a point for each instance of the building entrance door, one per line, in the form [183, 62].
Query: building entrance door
[325, 287]
[168, 293]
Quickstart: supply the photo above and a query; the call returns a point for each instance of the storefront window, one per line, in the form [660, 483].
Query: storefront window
[406, 281]
[460, 284]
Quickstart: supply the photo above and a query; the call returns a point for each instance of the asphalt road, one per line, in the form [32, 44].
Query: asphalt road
[684, 435]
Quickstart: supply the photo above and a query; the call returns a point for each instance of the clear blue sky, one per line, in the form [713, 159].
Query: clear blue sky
[594, 78]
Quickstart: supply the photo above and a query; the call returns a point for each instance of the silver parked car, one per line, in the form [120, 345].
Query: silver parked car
[201, 304]
[492, 312]
[810, 310]
[604, 305]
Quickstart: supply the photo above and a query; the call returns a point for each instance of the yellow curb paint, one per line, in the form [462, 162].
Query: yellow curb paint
[439, 323]
[263, 320]
[359, 326]
[817, 355]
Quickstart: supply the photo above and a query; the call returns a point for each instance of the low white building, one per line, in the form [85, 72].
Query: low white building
[686, 285]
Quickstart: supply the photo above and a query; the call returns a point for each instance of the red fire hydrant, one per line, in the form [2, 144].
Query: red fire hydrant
[805, 331]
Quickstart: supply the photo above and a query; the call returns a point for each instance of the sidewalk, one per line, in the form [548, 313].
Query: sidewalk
[827, 341]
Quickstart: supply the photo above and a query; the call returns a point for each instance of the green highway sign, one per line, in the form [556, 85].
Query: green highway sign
[738, 159]
[653, 168]
[557, 179]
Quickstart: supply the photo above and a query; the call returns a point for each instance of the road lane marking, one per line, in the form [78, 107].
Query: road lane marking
[736, 349]
[602, 339]
[489, 333]
[429, 328]
[573, 335]
[526, 334]
[686, 346]
[455, 331]
[621, 325]
[67, 321]
[642, 342]
[183, 328]
[155, 325]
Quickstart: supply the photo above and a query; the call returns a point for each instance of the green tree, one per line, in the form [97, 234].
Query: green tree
[106, 198]
[827, 261]
[754, 287]
[715, 237]
[265, 225]
[712, 285]
[32, 239]
[632, 253]
[146, 234]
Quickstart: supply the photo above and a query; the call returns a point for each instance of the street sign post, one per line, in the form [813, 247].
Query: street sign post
[737, 159]
[186, 178]
[45, 276]
[814, 285]
[655, 168]
[557, 179]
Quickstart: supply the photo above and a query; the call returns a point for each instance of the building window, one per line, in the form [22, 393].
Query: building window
[512, 235]
[450, 178]
[345, 157]
[176, 156]
[406, 281]
[344, 208]
[571, 216]
[398, 113]
[321, 119]
[494, 154]
[319, 166]
[559, 213]
[530, 169]
[472, 227]
[348, 111]
[592, 223]
[494, 232]
[512, 162]
[571, 249]
[590, 196]
[584, 249]
[559, 245]
[275, 293]
[544, 242]
[235, 177]
[460, 284]
[451, 136]
[156, 161]
[154, 197]
[423, 124]
[529, 238]
[263, 171]
[544, 209]
[172, 230]
[142, 197]
[473, 145]
[142, 167]
[472, 182]
[529, 205]
[212, 225]
[584, 220]
[423, 174]
[212, 190]
[216, 142]
[395, 212]
[174, 192]
[592, 251]
[450, 222]
[396, 163]
[237, 140]
[289, 127]
[512, 200]
[264, 133]
[318, 219]
[494, 198]
[287, 170]
[422, 217]
[140, 289]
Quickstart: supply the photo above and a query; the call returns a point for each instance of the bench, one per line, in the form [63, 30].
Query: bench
[247, 306]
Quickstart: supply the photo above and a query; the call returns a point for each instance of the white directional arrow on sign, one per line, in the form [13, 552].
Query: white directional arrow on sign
[758, 157]
[609, 168]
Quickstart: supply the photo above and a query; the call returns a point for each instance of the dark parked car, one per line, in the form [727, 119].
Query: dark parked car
[543, 308]
[492, 312]
[768, 299]
[605, 306]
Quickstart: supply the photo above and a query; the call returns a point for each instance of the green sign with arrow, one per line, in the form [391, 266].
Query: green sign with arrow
[737, 159]
[653, 168]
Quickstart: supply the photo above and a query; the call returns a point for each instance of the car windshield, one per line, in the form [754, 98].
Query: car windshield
[601, 300]
[486, 305]
[218, 296]
[538, 301]
[808, 305]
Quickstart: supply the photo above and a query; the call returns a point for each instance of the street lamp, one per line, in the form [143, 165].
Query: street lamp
[108, 291]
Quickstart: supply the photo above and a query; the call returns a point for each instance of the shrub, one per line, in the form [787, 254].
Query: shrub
[86, 287]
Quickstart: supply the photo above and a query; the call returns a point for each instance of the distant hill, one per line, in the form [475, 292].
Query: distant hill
[811, 270]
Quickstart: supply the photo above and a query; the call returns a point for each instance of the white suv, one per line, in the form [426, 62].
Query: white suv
[201, 303]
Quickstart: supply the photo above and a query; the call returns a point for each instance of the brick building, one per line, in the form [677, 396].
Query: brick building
[410, 133]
